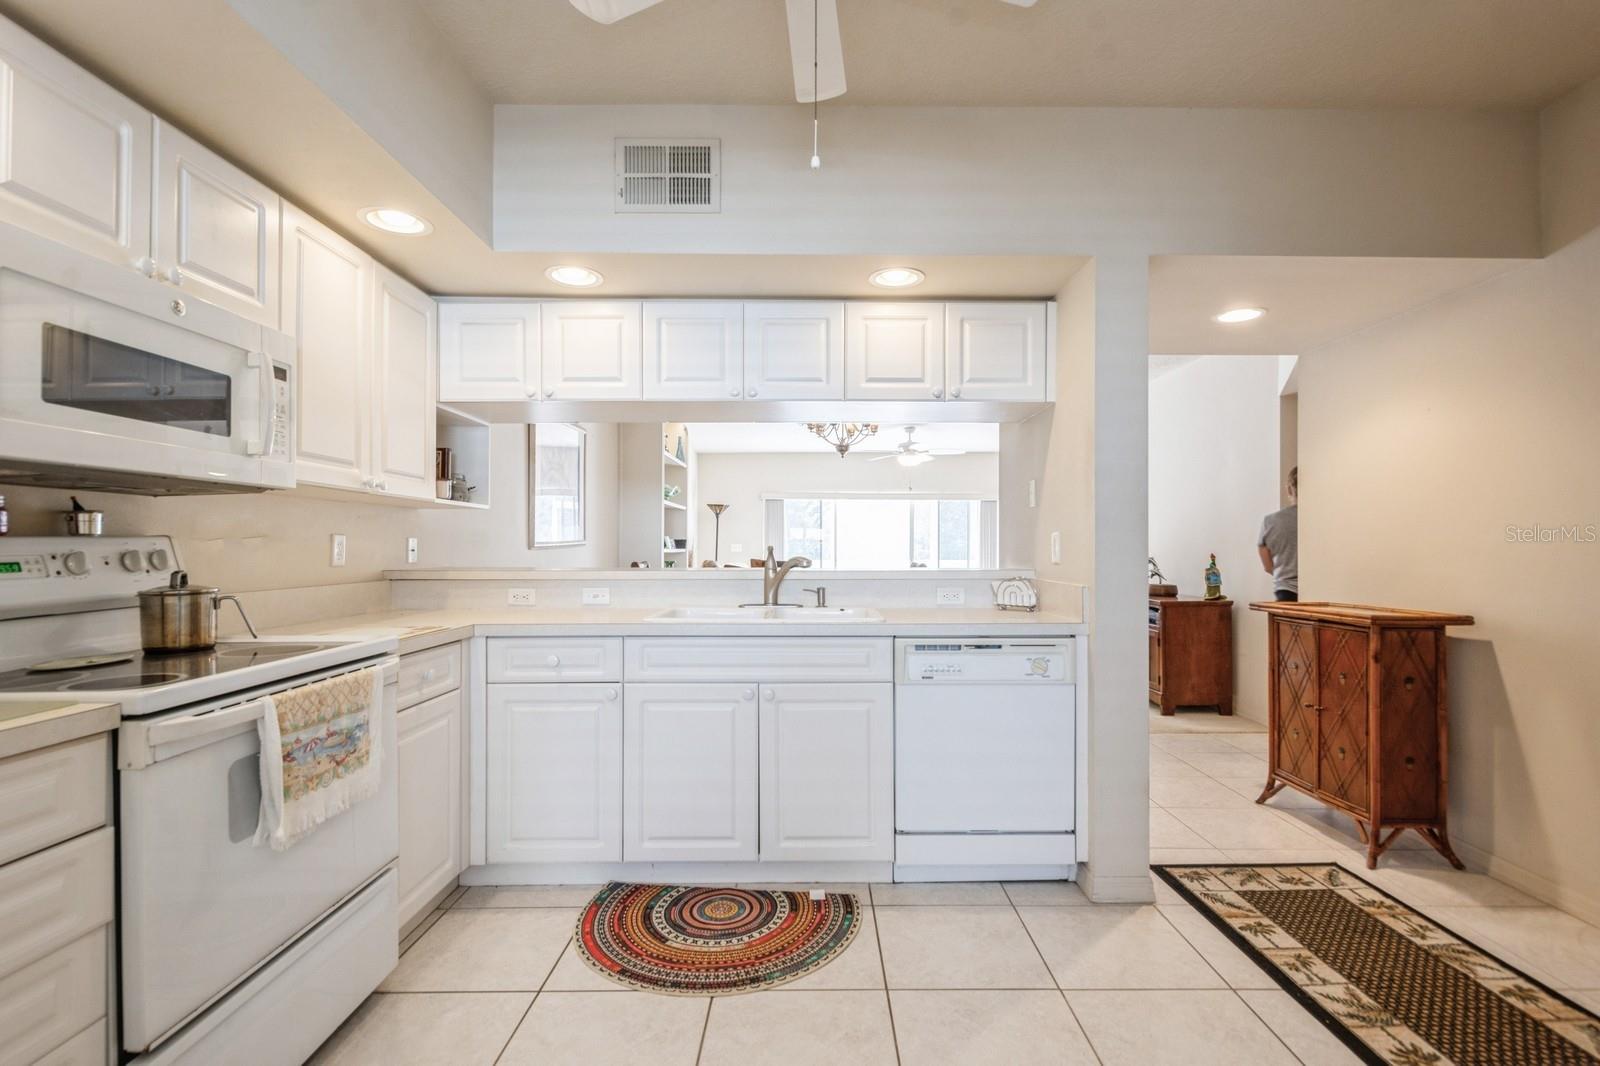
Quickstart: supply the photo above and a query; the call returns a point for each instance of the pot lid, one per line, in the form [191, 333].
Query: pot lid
[179, 586]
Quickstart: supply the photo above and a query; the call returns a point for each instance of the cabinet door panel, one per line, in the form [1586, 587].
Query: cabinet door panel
[1342, 715]
[693, 350]
[429, 751]
[592, 350]
[216, 228]
[555, 773]
[1296, 743]
[689, 779]
[995, 351]
[827, 772]
[794, 350]
[894, 351]
[74, 154]
[405, 370]
[488, 351]
[326, 308]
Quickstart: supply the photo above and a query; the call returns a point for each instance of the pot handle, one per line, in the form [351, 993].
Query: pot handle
[217, 606]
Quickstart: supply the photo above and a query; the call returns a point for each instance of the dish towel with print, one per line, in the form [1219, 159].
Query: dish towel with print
[327, 757]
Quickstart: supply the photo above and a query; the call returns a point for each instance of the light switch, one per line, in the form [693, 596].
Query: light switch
[1055, 547]
[411, 549]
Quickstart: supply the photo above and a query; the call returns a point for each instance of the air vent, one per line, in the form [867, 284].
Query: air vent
[673, 175]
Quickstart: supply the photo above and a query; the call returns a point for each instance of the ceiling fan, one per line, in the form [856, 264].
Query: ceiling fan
[813, 40]
[910, 453]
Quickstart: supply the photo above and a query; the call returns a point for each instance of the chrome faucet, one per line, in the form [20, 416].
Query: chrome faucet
[772, 575]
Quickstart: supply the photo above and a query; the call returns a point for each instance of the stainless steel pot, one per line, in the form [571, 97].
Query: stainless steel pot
[182, 617]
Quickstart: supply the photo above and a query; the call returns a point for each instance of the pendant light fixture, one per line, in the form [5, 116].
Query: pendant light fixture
[843, 435]
[816, 125]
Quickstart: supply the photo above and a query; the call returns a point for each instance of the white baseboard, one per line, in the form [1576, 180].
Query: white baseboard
[1121, 888]
[1579, 904]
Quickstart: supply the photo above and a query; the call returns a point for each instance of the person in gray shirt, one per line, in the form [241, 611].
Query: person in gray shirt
[1279, 545]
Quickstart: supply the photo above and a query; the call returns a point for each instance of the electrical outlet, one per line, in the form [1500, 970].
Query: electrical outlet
[949, 597]
[519, 597]
[600, 597]
[411, 549]
[1055, 547]
[338, 553]
[736, 550]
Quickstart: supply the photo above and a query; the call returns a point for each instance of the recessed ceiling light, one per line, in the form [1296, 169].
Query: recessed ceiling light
[577, 277]
[394, 220]
[1235, 315]
[896, 277]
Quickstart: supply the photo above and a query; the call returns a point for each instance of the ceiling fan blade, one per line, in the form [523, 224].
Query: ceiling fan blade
[830, 52]
[1021, 3]
[945, 451]
[608, 11]
[881, 458]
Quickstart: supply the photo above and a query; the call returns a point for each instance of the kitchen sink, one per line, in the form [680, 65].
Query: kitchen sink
[758, 613]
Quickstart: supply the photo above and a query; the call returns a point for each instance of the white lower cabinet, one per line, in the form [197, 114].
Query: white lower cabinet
[555, 773]
[429, 751]
[827, 772]
[689, 773]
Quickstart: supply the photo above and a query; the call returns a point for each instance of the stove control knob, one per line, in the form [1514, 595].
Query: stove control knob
[159, 559]
[131, 561]
[77, 563]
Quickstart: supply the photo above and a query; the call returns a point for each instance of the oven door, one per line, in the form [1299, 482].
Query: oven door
[111, 371]
[201, 907]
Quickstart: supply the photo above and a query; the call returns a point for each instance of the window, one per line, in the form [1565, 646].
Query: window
[885, 532]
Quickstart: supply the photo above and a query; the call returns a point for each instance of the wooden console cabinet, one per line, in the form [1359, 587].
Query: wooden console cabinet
[1358, 718]
[1191, 653]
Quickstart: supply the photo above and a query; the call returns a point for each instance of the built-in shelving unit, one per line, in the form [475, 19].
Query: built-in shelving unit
[657, 529]
[467, 437]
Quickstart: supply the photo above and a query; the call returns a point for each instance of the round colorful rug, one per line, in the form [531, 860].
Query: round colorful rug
[712, 941]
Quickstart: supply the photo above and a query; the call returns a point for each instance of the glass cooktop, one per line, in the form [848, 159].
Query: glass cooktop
[143, 669]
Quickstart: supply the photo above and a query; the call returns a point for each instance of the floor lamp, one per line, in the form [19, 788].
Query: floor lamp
[716, 526]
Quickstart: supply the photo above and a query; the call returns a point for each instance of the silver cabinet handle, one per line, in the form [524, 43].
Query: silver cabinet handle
[955, 394]
[611, 693]
[554, 660]
[938, 394]
[751, 392]
[749, 694]
[767, 695]
[549, 393]
[175, 276]
[734, 393]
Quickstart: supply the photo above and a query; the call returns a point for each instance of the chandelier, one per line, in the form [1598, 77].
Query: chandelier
[843, 435]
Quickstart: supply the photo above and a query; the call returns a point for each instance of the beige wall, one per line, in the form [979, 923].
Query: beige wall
[280, 540]
[1214, 460]
[741, 480]
[1569, 166]
[1424, 441]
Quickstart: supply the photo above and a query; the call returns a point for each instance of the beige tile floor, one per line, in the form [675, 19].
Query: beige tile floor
[1006, 974]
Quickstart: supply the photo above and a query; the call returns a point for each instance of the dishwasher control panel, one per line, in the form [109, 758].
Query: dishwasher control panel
[934, 662]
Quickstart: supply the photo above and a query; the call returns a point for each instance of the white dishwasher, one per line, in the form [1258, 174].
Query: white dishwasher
[985, 757]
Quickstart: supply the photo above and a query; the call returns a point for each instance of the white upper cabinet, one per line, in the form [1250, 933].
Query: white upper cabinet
[794, 350]
[488, 351]
[554, 773]
[215, 227]
[591, 350]
[327, 305]
[405, 369]
[693, 350]
[74, 154]
[995, 351]
[827, 772]
[689, 773]
[894, 351]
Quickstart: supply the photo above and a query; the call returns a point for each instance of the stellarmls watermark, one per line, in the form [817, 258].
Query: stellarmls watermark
[1537, 534]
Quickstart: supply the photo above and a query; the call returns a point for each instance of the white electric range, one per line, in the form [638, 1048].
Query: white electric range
[229, 952]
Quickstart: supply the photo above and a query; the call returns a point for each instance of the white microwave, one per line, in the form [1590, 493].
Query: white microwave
[110, 380]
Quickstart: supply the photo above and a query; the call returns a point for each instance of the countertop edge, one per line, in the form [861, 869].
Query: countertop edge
[59, 726]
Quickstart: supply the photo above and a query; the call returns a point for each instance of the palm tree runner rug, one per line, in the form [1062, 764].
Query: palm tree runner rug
[690, 941]
[1397, 988]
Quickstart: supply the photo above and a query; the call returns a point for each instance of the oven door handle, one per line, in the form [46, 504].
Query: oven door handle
[191, 726]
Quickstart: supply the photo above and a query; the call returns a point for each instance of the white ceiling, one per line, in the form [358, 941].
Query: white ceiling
[790, 437]
[1310, 301]
[1181, 53]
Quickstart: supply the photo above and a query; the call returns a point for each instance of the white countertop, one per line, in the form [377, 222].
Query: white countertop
[420, 629]
[34, 722]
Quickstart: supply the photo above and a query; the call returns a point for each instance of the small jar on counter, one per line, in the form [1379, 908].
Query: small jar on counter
[5, 519]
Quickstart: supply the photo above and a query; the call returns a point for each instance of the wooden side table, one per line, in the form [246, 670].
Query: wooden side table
[1191, 653]
[1358, 716]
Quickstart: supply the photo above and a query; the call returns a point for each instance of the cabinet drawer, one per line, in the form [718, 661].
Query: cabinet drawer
[88, 1048]
[426, 674]
[53, 795]
[517, 659]
[50, 899]
[760, 659]
[51, 1001]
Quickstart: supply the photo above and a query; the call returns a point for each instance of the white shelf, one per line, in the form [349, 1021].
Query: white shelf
[467, 504]
[672, 460]
[673, 551]
[674, 506]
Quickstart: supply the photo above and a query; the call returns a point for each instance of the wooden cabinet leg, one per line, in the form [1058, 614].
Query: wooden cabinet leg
[1225, 708]
[1274, 786]
[1168, 709]
[1440, 839]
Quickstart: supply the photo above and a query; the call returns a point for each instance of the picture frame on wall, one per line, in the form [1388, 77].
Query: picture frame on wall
[557, 461]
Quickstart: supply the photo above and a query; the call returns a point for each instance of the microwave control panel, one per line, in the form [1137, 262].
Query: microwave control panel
[278, 443]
